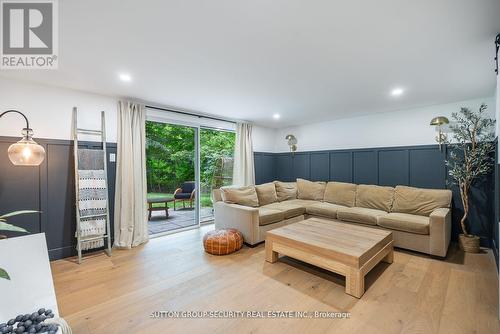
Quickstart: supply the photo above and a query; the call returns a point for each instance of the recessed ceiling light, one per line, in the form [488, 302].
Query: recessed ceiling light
[125, 77]
[276, 116]
[397, 91]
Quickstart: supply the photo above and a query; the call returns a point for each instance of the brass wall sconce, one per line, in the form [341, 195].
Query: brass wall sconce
[438, 122]
[292, 142]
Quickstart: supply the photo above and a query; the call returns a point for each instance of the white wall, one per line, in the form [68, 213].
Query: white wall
[400, 128]
[49, 110]
[264, 139]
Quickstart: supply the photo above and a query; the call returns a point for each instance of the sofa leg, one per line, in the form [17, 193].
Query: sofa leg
[254, 245]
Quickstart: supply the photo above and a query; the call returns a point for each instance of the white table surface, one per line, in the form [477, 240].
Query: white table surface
[30, 287]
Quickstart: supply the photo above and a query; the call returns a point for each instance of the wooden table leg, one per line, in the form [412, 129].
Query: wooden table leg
[389, 258]
[271, 256]
[355, 283]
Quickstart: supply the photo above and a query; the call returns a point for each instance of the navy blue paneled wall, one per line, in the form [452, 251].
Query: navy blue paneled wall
[265, 168]
[416, 166]
[50, 189]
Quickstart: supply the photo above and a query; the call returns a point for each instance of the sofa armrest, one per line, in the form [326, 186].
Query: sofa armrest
[243, 218]
[440, 231]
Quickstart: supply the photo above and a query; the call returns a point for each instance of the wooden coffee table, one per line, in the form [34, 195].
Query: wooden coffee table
[158, 200]
[347, 249]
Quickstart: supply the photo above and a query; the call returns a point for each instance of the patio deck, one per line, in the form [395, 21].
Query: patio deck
[179, 218]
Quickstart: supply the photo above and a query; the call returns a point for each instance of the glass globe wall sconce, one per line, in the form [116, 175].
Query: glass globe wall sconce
[25, 152]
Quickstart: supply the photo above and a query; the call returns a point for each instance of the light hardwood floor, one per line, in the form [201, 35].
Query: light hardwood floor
[414, 294]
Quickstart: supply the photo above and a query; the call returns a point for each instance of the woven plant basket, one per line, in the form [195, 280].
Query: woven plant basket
[469, 244]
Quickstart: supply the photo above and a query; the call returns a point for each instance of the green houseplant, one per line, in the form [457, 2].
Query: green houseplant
[470, 158]
[4, 226]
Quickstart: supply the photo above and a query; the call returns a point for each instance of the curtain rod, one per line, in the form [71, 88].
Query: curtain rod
[190, 114]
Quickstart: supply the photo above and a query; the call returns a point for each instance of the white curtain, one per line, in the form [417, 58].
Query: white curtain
[243, 168]
[131, 223]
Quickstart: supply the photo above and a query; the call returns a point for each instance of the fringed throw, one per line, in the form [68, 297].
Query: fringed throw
[92, 244]
[93, 192]
[93, 227]
[92, 206]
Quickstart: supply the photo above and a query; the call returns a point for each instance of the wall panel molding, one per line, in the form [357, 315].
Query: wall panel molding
[48, 188]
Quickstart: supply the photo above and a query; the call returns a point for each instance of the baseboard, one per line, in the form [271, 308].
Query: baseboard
[254, 245]
[62, 252]
[69, 251]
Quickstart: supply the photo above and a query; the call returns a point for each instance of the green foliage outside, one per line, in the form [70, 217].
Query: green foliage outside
[216, 159]
[205, 200]
[170, 151]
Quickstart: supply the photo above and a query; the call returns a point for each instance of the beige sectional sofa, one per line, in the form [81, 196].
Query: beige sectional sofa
[420, 219]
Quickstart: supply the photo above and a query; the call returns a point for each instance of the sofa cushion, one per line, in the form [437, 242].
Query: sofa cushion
[246, 196]
[301, 202]
[420, 201]
[374, 197]
[285, 190]
[360, 215]
[310, 190]
[217, 195]
[324, 209]
[266, 193]
[187, 187]
[290, 210]
[405, 222]
[340, 193]
[182, 196]
[269, 216]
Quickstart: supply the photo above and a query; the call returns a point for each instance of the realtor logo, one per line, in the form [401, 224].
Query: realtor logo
[29, 34]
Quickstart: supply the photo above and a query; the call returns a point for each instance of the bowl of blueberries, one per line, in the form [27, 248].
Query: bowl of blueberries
[30, 323]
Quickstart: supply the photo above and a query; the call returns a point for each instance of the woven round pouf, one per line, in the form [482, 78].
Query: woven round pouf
[223, 242]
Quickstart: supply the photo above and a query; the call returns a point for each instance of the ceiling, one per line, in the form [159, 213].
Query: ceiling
[305, 60]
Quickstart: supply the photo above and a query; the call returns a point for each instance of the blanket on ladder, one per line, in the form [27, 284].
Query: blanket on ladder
[92, 206]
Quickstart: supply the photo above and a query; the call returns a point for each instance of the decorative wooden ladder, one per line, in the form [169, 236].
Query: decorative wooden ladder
[107, 235]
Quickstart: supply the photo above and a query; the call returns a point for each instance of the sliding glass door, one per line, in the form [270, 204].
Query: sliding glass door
[172, 165]
[184, 163]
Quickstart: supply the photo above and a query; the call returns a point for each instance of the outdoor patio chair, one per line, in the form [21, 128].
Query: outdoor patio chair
[185, 193]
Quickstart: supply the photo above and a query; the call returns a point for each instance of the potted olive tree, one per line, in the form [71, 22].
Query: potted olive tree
[4, 226]
[470, 158]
